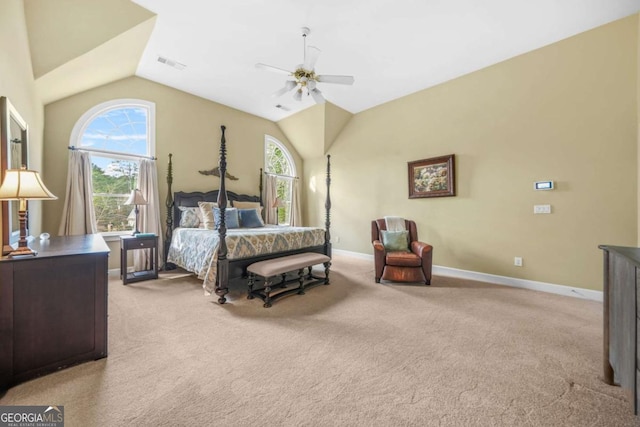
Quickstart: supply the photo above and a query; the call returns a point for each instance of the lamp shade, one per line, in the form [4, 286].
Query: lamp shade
[24, 184]
[278, 203]
[136, 198]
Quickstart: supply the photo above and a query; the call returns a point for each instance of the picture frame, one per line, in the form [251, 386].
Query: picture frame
[434, 177]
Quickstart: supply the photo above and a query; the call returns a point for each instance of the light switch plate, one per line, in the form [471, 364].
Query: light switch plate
[542, 209]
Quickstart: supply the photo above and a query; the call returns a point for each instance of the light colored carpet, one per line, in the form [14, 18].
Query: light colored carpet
[354, 353]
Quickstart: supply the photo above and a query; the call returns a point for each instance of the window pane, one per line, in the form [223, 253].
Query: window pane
[278, 161]
[113, 181]
[121, 130]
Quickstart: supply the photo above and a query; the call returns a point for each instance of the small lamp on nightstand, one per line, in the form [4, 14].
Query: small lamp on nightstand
[136, 198]
[22, 185]
[278, 203]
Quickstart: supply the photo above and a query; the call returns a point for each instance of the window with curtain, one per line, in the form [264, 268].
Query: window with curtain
[278, 161]
[117, 134]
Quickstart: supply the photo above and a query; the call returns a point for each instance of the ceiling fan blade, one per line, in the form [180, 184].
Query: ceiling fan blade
[272, 68]
[289, 85]
[317, 96]
[310, 57]
[343, 80]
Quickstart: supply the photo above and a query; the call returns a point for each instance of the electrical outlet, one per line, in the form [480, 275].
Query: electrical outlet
[517, 261]
[337, 239]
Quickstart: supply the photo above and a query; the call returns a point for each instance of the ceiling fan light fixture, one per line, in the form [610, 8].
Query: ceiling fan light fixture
[304, 76]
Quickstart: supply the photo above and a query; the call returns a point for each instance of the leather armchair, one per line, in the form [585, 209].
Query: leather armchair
[400, 266]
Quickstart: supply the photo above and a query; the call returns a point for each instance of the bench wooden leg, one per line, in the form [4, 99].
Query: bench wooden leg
[251, 283]
[327, 265]
[301, 280]
[267, 291]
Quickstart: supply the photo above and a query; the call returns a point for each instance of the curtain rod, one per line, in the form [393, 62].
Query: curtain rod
[95, 150]
[281, 176]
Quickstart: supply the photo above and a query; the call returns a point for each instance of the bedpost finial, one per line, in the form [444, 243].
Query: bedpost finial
[223, 127]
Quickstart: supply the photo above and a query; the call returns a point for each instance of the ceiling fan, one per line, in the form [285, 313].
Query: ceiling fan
[304, 77]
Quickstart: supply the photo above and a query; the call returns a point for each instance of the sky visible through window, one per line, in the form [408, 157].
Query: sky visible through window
[120, 130]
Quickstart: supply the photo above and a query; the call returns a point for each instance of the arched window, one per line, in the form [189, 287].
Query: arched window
[278, 162]
[117, 134]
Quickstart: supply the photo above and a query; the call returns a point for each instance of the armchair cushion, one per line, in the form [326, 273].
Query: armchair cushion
[395, 240]
[403, 259]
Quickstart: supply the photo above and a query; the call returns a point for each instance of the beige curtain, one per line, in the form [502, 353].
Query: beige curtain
[270, 194]
[78, 215]
[296, 217]
[149, 217]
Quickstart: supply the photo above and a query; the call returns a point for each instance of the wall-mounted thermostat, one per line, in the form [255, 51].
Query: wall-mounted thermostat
[543, 185]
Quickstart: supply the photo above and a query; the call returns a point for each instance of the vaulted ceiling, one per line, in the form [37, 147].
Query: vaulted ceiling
[391, 48]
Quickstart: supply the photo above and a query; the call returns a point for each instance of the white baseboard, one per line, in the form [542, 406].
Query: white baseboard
[500, 280]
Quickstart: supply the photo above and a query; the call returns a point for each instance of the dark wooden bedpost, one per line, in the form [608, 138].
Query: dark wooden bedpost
[222, 276]
[260, 186]
[168, 234]
[327, 208]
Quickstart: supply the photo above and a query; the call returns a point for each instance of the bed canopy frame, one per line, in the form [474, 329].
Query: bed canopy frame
[231, 268]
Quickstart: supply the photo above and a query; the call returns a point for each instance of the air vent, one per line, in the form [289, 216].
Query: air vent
[170, 62]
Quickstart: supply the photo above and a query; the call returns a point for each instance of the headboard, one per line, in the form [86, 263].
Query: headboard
[181, 198]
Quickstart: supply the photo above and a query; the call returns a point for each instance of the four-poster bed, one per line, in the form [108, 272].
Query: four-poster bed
[228, 252]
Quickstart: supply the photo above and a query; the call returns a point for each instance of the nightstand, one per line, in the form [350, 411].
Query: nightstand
[128, 243]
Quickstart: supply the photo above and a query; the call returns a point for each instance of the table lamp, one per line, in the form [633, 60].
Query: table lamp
[278, 203]
[22, 185]
[136, 198]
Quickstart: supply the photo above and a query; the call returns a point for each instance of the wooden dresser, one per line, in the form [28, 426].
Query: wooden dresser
[621, 323]
[53, 307]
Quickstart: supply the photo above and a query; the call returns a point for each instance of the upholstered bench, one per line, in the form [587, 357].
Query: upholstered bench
[272, 268]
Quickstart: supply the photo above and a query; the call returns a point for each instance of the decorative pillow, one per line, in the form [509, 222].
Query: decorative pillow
[250, 218]
[231, 218]
[395, 240]
[206, 209]
[190, 217]
[246, 205]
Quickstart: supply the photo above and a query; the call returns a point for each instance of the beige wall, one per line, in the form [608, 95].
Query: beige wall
[187, 126]
[566, 112]
[17, 84]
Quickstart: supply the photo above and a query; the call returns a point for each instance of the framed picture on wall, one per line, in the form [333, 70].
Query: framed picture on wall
[434, 177]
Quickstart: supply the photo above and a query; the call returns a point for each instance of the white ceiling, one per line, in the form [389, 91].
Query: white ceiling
[392, 48]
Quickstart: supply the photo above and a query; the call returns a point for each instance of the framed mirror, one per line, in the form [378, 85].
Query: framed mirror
[14, 140]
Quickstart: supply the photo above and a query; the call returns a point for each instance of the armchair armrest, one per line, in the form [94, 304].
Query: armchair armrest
[425, 252]
[378, 246]
[420, 248]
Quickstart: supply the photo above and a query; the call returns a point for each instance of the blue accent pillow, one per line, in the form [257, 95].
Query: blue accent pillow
[395, 240]
[231, 219]
[249, 218]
